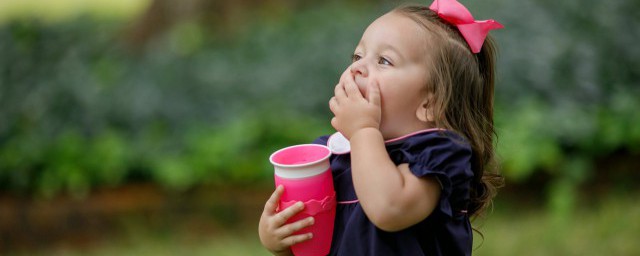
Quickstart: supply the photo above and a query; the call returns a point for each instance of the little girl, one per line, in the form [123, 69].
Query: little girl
[416, 105]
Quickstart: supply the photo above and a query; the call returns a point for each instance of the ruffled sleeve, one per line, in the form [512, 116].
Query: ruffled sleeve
[446, 156]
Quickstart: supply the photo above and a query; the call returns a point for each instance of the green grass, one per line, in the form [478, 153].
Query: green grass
[60, 10]
[609, 226]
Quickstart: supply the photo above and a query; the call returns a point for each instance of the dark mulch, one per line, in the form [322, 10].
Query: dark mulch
[34, 224]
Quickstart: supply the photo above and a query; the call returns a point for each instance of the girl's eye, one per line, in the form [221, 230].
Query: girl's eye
[384, 61]
[355, 57]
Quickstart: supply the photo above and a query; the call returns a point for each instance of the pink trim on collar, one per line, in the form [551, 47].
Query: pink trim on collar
[349, 202]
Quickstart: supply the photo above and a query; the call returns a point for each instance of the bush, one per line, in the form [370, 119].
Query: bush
[80, 109]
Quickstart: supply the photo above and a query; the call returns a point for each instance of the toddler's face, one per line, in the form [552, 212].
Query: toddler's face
[393, 51]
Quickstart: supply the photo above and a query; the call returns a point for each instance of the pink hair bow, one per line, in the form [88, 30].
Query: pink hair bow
[473, 31]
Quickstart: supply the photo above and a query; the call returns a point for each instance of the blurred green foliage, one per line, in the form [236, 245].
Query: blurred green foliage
[567, 92]
[79, 109]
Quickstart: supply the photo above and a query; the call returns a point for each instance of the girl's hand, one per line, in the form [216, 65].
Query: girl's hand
[274, 234]
[352, 110]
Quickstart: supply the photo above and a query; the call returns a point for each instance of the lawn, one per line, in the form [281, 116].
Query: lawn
[606, 226]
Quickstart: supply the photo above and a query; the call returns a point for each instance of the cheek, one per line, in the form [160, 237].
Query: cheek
[400, 91]
[399, 102]
[394, 104]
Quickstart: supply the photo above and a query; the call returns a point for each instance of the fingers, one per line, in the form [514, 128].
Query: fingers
[285, 214]
[374, 92]
[272, 204]
[351, 88]
[345, 75]
[291, 228]
[339, 91]
[333, 104]
[275, 233]
[334, 123]
[281, 217]
[289, 241]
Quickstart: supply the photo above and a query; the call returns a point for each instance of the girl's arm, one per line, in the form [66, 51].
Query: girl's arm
[391, 196]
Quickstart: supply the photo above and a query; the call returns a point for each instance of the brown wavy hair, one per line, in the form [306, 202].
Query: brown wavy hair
[462, 87]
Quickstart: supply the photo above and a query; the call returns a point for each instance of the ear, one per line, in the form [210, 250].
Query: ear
[424, 112]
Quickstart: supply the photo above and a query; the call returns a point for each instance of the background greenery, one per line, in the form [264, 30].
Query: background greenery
[204, 101]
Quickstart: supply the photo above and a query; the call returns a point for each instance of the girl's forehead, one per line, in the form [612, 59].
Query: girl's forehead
[398, 31]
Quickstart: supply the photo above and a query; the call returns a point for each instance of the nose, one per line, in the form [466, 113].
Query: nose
[359, 68]
[360, 75]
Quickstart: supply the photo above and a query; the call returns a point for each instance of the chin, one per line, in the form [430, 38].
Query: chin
[388, 135]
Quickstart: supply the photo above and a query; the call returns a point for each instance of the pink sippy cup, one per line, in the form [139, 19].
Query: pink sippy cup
[305, 173]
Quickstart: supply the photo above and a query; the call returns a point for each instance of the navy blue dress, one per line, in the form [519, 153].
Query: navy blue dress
[446, 231]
